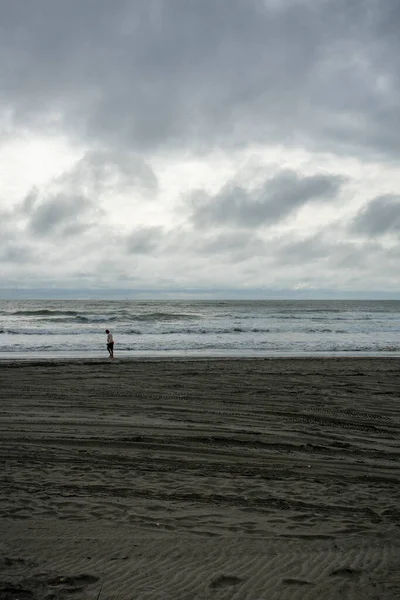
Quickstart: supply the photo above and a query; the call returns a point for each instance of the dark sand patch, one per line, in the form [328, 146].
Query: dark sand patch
[253, 479]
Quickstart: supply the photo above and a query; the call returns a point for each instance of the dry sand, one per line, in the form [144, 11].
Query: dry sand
[200, 479]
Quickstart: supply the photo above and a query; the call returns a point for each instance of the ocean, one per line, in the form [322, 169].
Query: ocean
[75, 328]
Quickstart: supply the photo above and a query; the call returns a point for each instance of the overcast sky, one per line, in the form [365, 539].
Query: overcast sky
[189, 145]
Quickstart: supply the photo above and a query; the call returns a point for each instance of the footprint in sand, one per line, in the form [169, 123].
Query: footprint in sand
[225, 581]
[75, 581]
[346, 572]
[11, 592]
[296, 582]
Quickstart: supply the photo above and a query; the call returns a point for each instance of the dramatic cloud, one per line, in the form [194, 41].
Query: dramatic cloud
[276, 199]
[380, 216]
[59, 212]
[147, 74]
[214, 144]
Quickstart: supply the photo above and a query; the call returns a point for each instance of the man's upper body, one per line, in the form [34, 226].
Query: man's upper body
[110, 338]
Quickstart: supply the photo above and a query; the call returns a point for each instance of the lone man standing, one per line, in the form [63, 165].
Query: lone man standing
[110, 343]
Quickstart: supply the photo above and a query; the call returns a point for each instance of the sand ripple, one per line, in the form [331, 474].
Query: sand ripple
[213, 479]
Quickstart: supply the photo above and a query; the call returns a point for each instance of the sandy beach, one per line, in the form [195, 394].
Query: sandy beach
[257, 479]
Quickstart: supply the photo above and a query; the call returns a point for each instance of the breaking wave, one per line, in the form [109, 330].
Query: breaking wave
[42, 312]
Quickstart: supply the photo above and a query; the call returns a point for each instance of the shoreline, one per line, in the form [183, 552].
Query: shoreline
[26, 358]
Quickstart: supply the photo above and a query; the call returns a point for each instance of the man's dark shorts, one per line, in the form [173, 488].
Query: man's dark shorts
[110, 346]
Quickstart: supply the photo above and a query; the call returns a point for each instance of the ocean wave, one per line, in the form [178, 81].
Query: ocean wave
[134, 331]
[163, 316]
[79, 318]
[284, 316]
[42, 312]
[49, 332]
[209, 331]
[323, 330]
[70, 316]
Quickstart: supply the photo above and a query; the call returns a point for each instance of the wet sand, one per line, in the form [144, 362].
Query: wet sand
[272, 479]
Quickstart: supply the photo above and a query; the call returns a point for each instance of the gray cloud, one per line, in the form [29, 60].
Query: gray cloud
[99, 172]
[59, 214]
[145, 83]
[239, 245]
[7, 226]
[380, 216]
[307, 250]
[70, 203]
[275, 200]
[145, 75]
[143, 240]
[331, 250]
[17, 252]
[29, 201]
